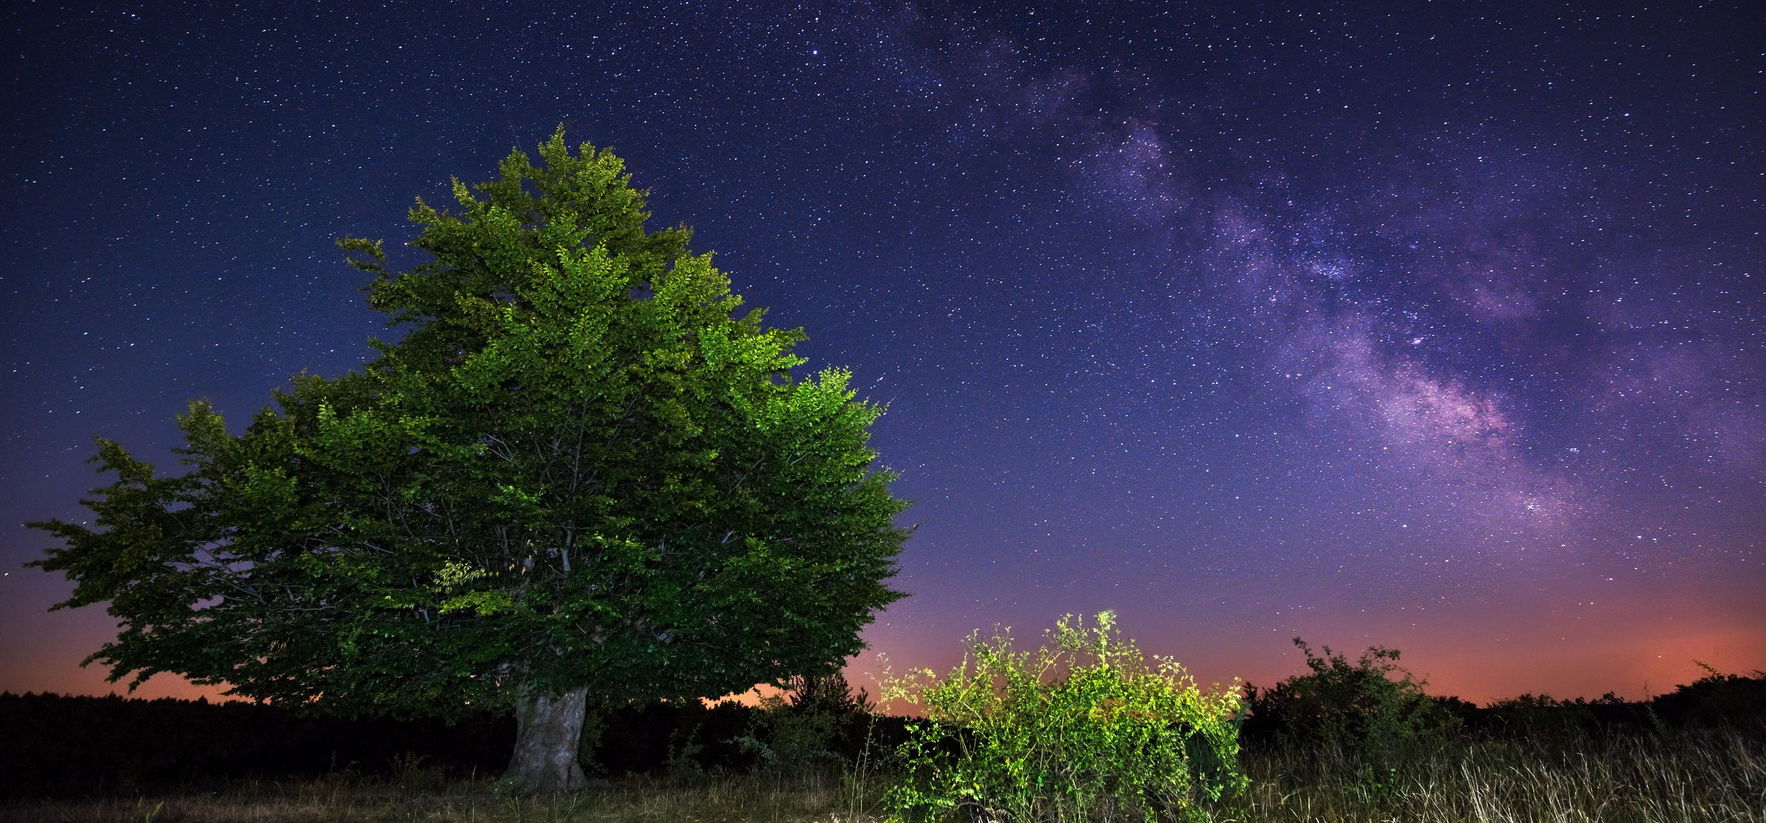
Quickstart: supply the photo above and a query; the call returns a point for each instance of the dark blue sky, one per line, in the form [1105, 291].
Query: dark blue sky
[1434, 326]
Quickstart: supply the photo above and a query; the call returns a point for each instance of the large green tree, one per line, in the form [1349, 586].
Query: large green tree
[581, 478]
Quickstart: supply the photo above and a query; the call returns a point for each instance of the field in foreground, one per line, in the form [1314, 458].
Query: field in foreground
[1624, 779]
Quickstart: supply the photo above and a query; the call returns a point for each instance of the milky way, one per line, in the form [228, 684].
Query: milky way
[1438, 328]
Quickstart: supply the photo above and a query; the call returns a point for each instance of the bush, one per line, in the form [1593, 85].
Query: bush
[819, 726]
[1372, 712]
[1718, 700]
[1543, 719]
[682, 738]
[1081, 727]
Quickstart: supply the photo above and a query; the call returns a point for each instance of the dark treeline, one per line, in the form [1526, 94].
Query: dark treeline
[52, 745]
[61, 746]
[1372, 710]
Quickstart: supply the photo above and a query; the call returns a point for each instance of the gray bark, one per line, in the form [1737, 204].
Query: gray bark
[548, 728]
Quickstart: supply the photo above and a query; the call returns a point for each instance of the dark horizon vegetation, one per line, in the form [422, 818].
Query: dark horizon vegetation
[824, 750]
[820, 756]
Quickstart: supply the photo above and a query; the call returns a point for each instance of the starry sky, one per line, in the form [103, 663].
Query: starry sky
[1431, 325]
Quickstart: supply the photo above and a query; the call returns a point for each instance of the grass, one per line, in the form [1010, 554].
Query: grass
[826, 799]
[1674, 778]
[1680, 778]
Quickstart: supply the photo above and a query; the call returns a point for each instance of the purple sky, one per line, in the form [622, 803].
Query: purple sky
[1438, 327]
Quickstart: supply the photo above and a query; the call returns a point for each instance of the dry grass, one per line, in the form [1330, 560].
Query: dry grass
[1625, 779]
[636, 800]
[1678, 779]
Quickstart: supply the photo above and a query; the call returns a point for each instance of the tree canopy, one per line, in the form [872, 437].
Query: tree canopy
[580, 475]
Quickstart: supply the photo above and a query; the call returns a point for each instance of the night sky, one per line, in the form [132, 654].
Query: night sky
[1430, 325]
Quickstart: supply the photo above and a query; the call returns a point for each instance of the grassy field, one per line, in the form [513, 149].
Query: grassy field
[626, 801]
[1683, 778]
[1680, 778]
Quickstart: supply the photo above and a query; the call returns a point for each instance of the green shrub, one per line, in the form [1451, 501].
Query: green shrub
[808, 727]
[1083, 727]
[1371, 713]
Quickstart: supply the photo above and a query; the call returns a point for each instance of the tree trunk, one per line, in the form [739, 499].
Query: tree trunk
[547, 729]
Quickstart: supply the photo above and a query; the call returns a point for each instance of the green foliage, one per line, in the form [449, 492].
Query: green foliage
[579, 467]
[684, 750]
[1372, 711]
[808, 726]
[1082, 727]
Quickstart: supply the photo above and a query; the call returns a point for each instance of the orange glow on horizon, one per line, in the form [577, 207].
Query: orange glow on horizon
[1649, 661]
